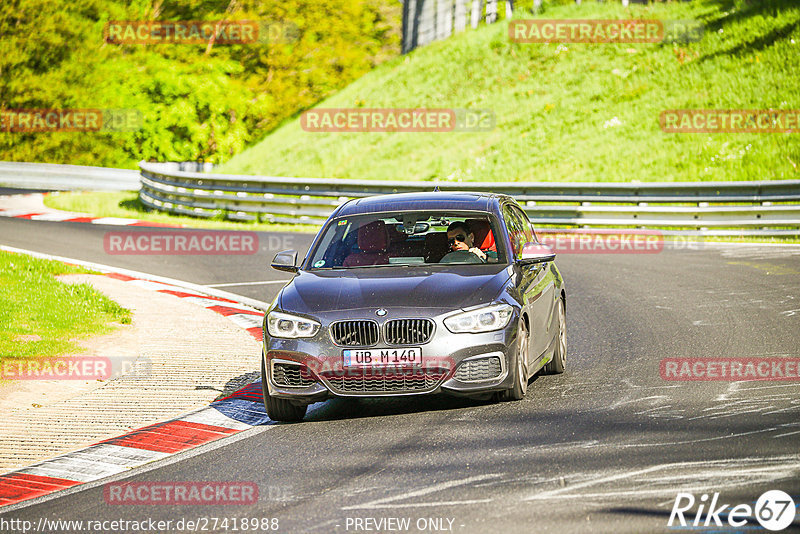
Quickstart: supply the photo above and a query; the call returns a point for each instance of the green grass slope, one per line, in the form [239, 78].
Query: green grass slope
[42, 317]
[573, 112]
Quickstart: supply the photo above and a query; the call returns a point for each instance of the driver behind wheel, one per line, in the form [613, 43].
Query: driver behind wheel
[462, 246]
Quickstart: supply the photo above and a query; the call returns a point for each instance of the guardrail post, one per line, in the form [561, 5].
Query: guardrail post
[491, 11]
[460, 16]
[475, 15]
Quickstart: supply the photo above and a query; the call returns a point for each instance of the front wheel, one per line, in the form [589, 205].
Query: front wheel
[521, 368]
[279, 409]
[559, 362]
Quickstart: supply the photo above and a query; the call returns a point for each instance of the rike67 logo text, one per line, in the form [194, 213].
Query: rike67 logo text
[774, 510]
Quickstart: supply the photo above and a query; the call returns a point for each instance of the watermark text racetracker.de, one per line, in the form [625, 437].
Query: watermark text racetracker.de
[183, 524]
[397, 120]
[153, 242]
[70, 120]
[611, 241]
[74, 368]
[376, 364]
[604, 31]
[730, 121]
[192, 493]
[730, 369]
[218, 32]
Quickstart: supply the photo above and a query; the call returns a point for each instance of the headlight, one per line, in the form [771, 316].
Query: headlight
[290, 326]
[485, 319]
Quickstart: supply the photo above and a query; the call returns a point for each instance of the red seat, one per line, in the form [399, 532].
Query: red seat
[373, 238]
[436, 246]
[395, 236]
[482, 231]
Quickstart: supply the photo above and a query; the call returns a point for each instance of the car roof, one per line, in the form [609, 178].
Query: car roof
[424, 201]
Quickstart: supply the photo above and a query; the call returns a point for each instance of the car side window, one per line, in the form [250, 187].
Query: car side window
[519, 228]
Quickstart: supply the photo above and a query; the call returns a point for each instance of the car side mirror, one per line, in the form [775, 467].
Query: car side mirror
[285, 261]
[536, 253]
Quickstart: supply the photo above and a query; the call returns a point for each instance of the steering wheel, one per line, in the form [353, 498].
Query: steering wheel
[460, 256]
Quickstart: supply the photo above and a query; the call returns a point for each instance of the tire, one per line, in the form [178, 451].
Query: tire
[279, 409]
[517, 392]
[557, 365]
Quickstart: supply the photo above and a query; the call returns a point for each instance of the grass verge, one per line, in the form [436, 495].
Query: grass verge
[41, 317]
[568, 112]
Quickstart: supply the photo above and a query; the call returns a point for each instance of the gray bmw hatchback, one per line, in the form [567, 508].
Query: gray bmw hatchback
[415, 294]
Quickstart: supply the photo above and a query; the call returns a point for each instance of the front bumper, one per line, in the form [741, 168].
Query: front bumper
[457, 364]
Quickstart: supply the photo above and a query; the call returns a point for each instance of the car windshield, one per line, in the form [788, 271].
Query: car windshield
[408, 239]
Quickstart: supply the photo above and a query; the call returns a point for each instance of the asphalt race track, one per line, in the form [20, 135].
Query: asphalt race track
[606, 447]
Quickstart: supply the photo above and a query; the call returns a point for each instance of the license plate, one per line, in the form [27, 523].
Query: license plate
[381, 357]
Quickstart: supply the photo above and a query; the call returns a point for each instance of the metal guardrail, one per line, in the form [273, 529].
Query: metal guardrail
[54, 177]
[760, 208]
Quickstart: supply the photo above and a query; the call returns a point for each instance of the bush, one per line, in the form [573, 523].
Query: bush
[196, 102]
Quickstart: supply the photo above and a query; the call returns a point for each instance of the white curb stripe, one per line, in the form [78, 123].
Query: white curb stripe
[70, 471]
[50, 214]
[114, 221]
[43, 471]
[75, 468]
[208, 303]
[95, 462]
[60, 217]
[246, 321]
[155, 286]
[119, 455]
[212, 417]
[16, 213]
